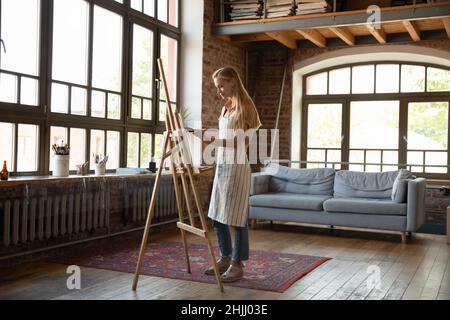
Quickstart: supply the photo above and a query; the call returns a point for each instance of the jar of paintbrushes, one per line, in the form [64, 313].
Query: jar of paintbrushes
[100, 164]
[61, 160]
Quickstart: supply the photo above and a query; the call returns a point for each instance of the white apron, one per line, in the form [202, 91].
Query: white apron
[231, 187]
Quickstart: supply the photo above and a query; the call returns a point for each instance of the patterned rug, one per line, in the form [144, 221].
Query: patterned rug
[265, 270]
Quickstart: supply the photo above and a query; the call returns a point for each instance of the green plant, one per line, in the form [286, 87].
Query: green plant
[184, 113]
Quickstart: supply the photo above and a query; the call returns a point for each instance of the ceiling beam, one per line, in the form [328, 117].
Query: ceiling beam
[251, 37]
[447, 26]
[344, 34]
[224, 38]
[334, 19]
[283, 38]
[314, 36]
[412, 29]
[378, 34]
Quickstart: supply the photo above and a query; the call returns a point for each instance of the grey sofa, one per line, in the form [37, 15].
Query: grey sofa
[338, 198]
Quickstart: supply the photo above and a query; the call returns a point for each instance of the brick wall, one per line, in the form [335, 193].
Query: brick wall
[436, 206]
[266, 68]
[216, 54]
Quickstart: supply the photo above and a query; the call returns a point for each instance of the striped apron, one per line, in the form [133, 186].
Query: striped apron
[231, 187]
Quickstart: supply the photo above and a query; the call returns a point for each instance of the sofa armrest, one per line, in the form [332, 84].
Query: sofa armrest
[415, 204]
[260, 183]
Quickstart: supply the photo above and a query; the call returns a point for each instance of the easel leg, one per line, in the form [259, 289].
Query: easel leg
[205, 227]
[180, 215]
[149, 218]
[188, 199]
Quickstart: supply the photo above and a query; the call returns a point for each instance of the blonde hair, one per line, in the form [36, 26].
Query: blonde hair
[242, 105]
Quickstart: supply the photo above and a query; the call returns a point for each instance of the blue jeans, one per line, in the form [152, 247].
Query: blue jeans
[240, 250]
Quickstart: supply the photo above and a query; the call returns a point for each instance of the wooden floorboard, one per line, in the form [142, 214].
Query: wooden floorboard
[419, 269]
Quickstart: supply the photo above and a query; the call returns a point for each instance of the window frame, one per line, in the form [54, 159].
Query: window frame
[403, 97]
[42, 116]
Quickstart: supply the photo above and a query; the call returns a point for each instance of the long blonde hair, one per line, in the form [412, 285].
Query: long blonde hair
[242, 105]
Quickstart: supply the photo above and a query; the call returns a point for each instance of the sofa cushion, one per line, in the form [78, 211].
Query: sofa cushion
[365, 206]
[303, 181]
[289, 201]
[353, 184]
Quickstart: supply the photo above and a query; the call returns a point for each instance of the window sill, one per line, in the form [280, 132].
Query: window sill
[436, 182]
[12, 181]
[20, 180]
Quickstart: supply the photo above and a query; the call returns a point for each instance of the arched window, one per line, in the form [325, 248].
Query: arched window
[377, 117]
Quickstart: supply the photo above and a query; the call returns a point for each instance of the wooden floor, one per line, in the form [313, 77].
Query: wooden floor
[419, 269]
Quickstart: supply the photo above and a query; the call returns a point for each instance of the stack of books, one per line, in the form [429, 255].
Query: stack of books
[245, 9]
[313, 6]
[280, 8]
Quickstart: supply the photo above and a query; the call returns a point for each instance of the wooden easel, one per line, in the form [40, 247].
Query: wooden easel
[180, 166]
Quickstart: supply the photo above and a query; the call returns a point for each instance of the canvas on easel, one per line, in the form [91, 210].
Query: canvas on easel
[176, 146]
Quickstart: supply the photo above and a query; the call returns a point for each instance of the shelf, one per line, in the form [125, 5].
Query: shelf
[317, 28]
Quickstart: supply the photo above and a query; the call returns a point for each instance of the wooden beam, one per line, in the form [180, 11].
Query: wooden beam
[378, 34]
[446, 22]
[283, 38]
[314, 36]
[251, 37]
[344, 34]
[412, 29]
[225, 38]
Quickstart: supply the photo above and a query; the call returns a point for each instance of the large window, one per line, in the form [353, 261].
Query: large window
[164, 10]
[19, 63]
[84, 72]
[378, 117]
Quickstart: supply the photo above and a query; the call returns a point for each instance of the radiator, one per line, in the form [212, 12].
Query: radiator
[53, 215]
[49, 212]
[138, 196]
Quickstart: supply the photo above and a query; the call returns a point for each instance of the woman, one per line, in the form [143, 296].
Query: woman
[231, 188]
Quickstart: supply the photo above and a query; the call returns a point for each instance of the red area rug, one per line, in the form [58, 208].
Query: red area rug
[265, 270]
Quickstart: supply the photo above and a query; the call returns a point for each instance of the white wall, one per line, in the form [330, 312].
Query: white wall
[191, 66]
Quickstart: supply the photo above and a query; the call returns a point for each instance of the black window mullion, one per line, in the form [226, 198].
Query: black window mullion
[90, 53]
[403, 133]
[127, 82]
[69, 103]
[156, 75]
[19, 85]
[139, 149]
[167, 11]
[375, 78]
[16, 143]
[105, 143]
[88, 145]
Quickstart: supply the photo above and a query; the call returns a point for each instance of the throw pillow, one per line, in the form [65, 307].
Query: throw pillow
[399, 189]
